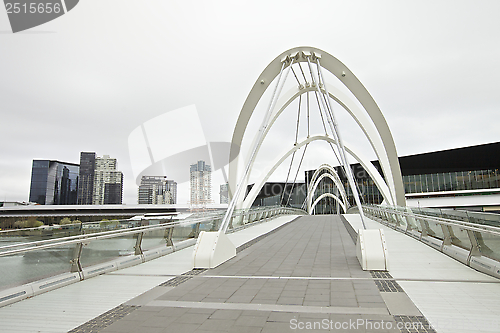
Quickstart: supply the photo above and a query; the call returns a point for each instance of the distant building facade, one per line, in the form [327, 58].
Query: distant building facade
[54, 182]
[224, 193]
[86, 178]
[157, 190]
[466, 172]
[171, 187]
[108, 182]
[99, 181]
[201, 183]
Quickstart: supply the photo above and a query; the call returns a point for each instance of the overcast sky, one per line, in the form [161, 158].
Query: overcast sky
[86, 80]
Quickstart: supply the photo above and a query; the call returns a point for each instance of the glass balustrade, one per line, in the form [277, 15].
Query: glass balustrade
[489, 245]
[22, 268]
[153, 239]
[457, 215]
[102, 250]
[484, 218]
[183, 232]
[110, 240]
[435, 230]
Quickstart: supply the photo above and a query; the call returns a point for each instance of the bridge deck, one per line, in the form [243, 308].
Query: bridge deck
[304, 273]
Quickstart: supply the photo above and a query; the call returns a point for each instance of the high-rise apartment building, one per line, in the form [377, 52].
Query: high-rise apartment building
[224, 193]
[201, 183]
[171, 187]
[108, 182]
[157, 190]
[54, 182]
[86, 178]
[99, 182]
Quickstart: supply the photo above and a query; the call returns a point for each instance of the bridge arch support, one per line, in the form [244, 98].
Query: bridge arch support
[367, 165]
[380, 138]
[315, 181]
[326, 195]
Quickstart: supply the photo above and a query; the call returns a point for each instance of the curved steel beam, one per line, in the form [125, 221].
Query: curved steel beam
[324, 195]
[310, 194]
[314, 182]
[333, 65]
[365, 163]
[355, 112]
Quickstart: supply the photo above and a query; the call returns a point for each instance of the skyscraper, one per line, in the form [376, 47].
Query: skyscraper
[99, 183]
[108, 183]
[54, 182]
[201, 183]
[224, 195]
[171, 187]
[157, 190]
[86, 178]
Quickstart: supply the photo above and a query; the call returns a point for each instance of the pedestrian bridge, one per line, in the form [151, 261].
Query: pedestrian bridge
[290, 270]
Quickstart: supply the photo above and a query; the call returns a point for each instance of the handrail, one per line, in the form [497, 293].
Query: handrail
[57, 242]
[473, 244]
[45, 244]
[441, 220]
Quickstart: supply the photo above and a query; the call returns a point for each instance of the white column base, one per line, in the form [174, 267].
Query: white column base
[371, 250]
[212, 249]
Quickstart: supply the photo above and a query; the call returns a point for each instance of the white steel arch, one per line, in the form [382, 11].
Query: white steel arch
[315, 180]
[365, 163]
[386, 152]
[355, 112]
[324, 195]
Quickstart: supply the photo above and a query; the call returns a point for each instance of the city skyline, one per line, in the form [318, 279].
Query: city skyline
[86, 180]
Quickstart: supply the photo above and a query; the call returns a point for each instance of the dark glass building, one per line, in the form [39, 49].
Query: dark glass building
[54, 182]
[86, 178]
[440, 173]
[113, 192]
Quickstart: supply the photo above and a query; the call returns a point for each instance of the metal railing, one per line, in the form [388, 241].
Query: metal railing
[33, 263]
[476, 244]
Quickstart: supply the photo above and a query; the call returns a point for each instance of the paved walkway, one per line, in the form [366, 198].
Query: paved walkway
[452, 296]
[303, 276]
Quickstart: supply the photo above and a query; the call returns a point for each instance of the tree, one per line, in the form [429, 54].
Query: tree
[66, 220]
[29, 223]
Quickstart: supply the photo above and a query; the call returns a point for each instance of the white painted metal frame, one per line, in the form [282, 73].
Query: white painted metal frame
[386, 151]
[315, 180]
[365, 163]
[325, 195]
[358, 115]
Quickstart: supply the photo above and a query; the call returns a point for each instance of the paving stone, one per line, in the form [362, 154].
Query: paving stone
[276, 327]
[241, 329]
[293, 293]
[290, 300]
[179, 327]
[192, 318]
[226, 314]
[172, 312]
[217, 325]
[251, 321]
[158, 321]
[282, 316]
